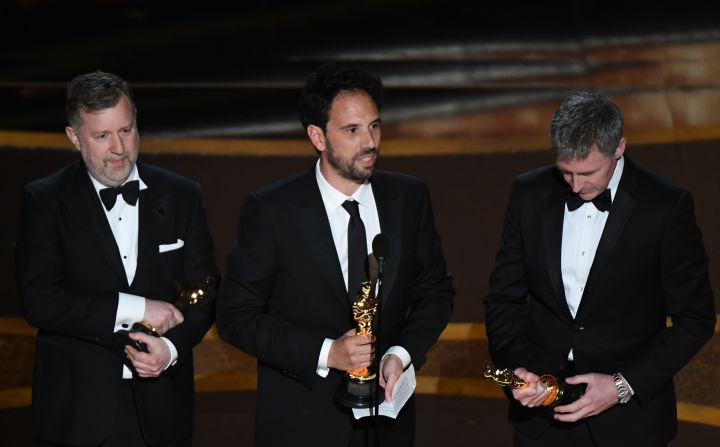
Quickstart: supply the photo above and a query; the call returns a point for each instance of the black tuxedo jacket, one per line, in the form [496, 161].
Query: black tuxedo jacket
[284, 293]
[650, 263]
[69, 275]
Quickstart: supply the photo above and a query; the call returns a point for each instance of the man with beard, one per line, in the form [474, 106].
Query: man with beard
[103, 243]
[287, 294]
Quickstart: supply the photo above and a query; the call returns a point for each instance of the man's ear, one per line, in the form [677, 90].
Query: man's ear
[317, 137]
[72, 136]
[620, 150]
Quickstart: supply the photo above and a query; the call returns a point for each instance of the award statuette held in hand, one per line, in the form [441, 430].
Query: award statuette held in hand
[188, 296]
[560, 392]
[358, 385]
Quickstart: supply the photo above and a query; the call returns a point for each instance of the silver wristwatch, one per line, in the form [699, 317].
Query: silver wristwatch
[624, 394]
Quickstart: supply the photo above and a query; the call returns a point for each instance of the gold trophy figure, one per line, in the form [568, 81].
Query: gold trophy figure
[358, 385]
[364, 308]
[559, 392]
[188, 296]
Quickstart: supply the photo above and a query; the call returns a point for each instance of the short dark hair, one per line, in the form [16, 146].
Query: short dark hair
[326, 83]
[584, 120]
[92, 92]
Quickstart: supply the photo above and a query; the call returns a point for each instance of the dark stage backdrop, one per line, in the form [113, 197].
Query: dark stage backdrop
[469, 194]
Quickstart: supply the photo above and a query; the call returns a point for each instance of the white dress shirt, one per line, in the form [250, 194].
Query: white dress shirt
[582, 230]
[339, 218]
[123, 220]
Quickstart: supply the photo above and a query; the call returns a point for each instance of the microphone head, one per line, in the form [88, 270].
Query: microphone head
[380, 246]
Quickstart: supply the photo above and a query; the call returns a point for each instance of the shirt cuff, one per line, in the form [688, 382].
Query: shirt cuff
[173, 353]
[400, 352]
[130, 310]
[322, 366]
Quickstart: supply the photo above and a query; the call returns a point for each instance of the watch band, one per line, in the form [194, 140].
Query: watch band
[623, 393]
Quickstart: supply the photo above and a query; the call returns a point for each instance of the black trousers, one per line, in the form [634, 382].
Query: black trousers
[568, 435]
[126, 430]
[382, 431]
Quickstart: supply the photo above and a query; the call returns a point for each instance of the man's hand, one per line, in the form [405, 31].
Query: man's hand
[162, 315]
[600, 395]
[150, 364]
[532, 395]
[352, 351]
[391, 368]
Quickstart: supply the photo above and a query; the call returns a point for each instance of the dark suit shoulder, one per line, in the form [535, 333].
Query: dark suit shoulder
[52, 183]
[542, 174]
[398, 179]
[389, 185]
[155, 176]
[272, 200]
[537, 183]
[302, 185]
[654, 195]
[287, 186]
[637, 178]
[67, 175]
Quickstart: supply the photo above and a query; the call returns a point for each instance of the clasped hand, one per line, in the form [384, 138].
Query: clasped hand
[152, 363]
[600, 395]
[162, 315]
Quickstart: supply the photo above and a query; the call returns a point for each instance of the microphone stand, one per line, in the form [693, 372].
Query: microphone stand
[378, 295]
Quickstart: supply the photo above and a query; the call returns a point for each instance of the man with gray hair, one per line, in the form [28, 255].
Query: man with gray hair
[595, 254]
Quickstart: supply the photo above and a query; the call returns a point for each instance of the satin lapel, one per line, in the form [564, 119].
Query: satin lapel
[82, 201]
[552, 227]
[310, 215]
[622, 208]
[391, 223]
[153, 208]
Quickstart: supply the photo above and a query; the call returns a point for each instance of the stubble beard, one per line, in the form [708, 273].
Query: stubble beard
[105, 174]
[347, 168]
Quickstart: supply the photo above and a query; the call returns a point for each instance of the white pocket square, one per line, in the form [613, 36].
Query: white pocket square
[169, 247]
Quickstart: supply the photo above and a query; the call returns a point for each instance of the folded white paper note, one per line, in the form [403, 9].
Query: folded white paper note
[404, 388]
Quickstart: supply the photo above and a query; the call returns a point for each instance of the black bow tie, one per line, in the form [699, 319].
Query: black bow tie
[130, 192]
[602, 201]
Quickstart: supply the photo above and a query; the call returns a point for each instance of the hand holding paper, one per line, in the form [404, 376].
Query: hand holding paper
[403, 389]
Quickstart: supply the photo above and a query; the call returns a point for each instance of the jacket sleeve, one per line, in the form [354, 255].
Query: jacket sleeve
[198, 263]
[688, 301]
[431, 289]
[243, 316]
[506, 301]
[50, 301]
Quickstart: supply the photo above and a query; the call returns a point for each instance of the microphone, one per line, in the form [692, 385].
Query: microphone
[380, 247]
[380, 250]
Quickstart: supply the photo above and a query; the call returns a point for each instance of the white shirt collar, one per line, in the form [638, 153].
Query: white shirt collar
[333, 198]
[134, 175]
[615, 179]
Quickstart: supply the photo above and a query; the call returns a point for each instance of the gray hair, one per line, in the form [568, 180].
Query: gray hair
[585, 120]
[92, 92]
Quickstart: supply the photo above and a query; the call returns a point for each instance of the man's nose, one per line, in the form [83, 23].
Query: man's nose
[369, 140]
[118, 145]
[575, 184]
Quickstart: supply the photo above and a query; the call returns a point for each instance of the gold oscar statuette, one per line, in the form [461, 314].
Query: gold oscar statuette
[188, 296]
[358, 385]
[559, 392]
[364, 308]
